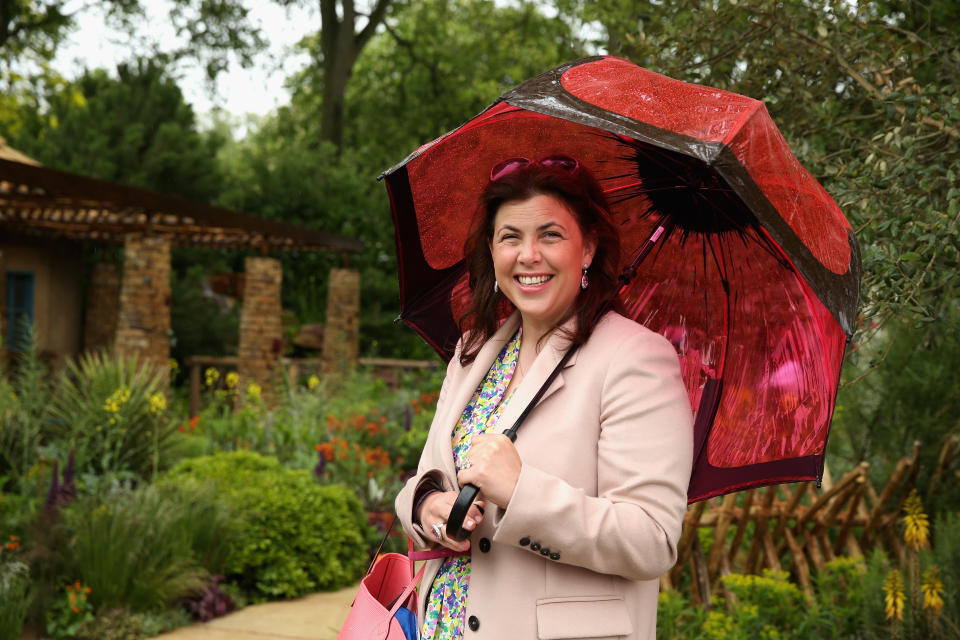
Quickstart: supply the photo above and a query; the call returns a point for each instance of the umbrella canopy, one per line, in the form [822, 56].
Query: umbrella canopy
[754, 276]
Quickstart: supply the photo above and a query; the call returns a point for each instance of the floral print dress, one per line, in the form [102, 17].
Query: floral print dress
[447, 602]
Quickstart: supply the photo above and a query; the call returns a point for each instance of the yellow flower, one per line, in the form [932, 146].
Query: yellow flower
[312, 382]
[210, 376]
[253, 391]
[158, 403]
[918, 525]
[174, 367]
[116, 400]
[893, 595]
[231, 379]
[932, 588]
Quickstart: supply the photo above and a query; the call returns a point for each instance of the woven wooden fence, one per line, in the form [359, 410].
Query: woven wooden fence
[797, 528]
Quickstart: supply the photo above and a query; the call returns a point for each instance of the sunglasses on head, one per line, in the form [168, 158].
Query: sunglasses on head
[511, 165]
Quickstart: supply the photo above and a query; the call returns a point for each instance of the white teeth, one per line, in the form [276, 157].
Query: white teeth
[532, 280]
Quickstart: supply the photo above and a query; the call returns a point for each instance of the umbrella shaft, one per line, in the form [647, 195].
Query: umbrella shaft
[663, 225]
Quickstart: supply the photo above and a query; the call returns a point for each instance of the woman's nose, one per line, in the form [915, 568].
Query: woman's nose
[529, 252]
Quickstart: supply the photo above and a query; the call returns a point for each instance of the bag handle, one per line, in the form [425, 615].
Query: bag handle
[415, 556]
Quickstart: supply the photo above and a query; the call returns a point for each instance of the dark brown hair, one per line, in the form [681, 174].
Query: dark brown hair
[581, 194]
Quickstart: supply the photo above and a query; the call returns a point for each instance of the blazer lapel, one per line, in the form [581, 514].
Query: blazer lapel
[546, 361]
[467, 386]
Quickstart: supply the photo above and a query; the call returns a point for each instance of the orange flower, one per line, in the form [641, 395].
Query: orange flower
[194, 421]
[74, 609]
[182, 428]
[326, 450]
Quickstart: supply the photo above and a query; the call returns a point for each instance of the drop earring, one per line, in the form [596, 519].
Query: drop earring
[496, 287]
[584, 281]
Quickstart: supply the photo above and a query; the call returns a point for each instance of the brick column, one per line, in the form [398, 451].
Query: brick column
[103, 300]
[143, 320]
[342, 333]
[261, 335]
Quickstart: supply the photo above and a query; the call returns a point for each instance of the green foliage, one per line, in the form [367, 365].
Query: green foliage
[911, 397]
[113, 414]
[144, 549]
[14, 596]
[293, 536]
[199, 325]
[24, 396]
[133, 128]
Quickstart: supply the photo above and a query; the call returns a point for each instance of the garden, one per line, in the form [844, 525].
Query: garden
[123, 517]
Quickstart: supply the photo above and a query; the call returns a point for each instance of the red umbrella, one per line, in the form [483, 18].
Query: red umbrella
[754, 276]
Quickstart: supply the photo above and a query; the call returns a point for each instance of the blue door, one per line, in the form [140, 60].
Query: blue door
[20, 286]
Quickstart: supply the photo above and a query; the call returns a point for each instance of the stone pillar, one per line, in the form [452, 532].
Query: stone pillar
[341, 336]
[261, 334]
[143, 321]
[103, 300]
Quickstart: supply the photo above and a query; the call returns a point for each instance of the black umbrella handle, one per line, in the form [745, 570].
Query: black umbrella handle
[455, 530]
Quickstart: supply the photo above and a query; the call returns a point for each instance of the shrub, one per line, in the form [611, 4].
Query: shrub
[24, 396]
[146, 548]
[293, 536]
[113, 413]
[14, 597]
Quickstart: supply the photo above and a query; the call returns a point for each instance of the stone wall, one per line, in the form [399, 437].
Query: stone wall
[143, 322]
[341, 335]
[103, 307]
[261, 334]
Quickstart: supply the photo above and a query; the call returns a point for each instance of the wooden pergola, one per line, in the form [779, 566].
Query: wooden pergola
[40, 201]
[40, 204]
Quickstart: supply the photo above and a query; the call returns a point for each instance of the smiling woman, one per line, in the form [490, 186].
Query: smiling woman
[540, 261]
[579, 517]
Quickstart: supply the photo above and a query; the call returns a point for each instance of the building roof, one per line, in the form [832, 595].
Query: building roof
[40, 201]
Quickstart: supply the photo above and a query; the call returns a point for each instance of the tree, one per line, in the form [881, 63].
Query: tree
[134, 128]
[32, 30]
[340, 45]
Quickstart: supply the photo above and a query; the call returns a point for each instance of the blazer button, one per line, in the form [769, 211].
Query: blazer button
[545, 551]
[535, 546]
[555, 555]
[524, 541]
[484, 545]
[473, 623]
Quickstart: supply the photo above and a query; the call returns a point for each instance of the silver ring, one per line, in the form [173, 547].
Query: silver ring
[438, 530]
[466, 464]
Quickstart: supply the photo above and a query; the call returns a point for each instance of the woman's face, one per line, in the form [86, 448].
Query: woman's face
[538, 256]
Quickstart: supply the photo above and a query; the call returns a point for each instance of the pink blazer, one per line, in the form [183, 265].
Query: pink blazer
[597, 511]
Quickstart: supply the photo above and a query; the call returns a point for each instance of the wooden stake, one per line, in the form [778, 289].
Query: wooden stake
[691, 523]
[799, 562]
[946, 457]
[745, 517]
[720, 534]
[761, 531]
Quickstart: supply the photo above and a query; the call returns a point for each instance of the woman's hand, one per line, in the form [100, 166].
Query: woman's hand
[434, 510]
[494, 467]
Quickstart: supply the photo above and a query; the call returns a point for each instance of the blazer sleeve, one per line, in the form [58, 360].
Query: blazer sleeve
[644, 456]
[428, 471]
